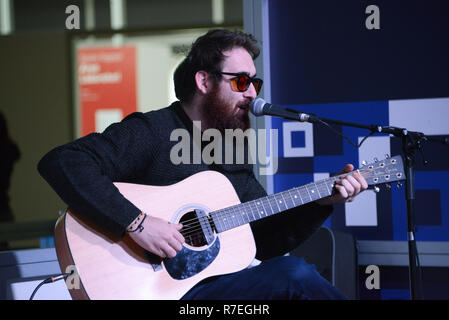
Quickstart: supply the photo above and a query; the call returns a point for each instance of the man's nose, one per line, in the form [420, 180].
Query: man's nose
[251, 92]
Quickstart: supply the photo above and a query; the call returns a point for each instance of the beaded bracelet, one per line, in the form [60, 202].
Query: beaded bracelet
[137, 224]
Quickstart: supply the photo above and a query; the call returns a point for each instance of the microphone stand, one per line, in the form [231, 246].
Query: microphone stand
[411, 142]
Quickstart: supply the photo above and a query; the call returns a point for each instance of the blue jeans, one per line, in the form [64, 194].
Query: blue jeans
[280, 278]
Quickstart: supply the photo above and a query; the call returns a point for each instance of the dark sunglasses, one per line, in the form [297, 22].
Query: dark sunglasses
[242, 81]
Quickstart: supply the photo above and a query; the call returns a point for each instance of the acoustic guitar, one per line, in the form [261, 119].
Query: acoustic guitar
[215, 226]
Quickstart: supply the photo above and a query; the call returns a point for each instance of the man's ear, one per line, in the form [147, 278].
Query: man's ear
[202, 81]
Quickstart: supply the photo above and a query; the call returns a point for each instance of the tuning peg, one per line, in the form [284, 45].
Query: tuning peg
[388, 186]
[376, 189]
[364, 163]
[387, 156]
[376, 160]
[399, 185]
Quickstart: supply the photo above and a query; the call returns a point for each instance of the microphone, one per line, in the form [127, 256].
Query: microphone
[259, 107]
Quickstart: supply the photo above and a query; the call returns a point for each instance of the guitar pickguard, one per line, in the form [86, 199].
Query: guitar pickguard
[188, 263]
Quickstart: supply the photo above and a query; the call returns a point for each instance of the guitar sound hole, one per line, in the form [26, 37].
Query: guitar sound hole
[192, 231]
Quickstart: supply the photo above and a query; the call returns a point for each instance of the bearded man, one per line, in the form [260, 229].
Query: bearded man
[215, 85]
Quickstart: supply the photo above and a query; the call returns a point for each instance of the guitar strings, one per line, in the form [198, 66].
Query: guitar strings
[225, 211]
[194, 226]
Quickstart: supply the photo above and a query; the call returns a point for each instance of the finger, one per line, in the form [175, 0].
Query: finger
[175, 244]
[361, 180]
[347, 168]
[169, 251]
[348, 187]
[179, 237]
[178, 226]
[157, 251]
[176, 233]
[341, 191]
[355, 184]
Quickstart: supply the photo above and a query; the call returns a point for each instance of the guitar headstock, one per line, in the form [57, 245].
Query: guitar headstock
[383, 171]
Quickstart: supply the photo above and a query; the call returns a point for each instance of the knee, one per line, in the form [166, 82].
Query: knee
[296, 279]
[297, 270]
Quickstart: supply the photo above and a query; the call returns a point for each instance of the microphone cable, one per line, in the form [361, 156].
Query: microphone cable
[50, 280]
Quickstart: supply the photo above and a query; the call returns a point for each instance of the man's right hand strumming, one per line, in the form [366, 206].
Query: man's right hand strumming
[157, 235]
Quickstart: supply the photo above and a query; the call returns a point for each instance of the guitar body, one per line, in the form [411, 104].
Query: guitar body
[117, 268]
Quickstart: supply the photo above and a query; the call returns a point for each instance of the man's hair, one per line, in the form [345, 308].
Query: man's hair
[206, 54]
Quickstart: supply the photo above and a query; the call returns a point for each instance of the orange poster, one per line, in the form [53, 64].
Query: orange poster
[107, 86]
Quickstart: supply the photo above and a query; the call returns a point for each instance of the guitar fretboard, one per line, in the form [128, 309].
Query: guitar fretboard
[235, 216]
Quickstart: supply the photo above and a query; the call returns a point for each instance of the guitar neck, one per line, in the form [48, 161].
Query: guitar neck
[235, 216]
[379, 172]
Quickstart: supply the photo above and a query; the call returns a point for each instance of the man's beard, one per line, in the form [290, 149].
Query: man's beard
[219, 114]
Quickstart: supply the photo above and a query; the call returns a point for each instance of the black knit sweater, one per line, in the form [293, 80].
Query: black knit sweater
[137, 150]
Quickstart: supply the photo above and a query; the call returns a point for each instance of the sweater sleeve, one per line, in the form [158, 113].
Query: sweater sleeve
[283, 232]
[82, 172]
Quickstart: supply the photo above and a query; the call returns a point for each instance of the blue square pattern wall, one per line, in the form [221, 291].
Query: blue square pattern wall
[323, 59]
[310, 152]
